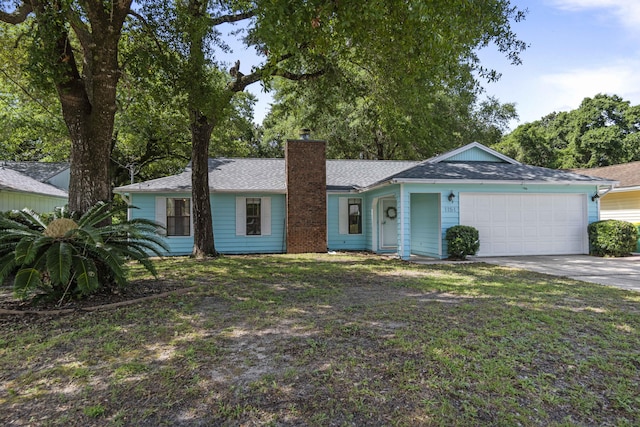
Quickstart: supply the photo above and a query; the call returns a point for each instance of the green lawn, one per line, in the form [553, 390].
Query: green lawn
[347, 339]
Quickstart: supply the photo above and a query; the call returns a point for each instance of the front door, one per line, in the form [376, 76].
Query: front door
[388, 224]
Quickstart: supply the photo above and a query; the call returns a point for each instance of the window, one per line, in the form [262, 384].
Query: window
[178, 217]
[253, 217]
[355, 216]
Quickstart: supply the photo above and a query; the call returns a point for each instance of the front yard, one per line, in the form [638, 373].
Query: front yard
[346, 339]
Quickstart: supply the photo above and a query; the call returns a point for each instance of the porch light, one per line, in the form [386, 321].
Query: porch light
[451, 196]
[595, 196]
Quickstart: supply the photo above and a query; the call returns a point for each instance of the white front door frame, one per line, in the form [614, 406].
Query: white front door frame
[388, 226]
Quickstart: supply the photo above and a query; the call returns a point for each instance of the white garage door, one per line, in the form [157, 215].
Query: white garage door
[527, 224]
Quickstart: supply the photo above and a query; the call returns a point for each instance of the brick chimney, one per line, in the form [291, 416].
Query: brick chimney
[306, 195]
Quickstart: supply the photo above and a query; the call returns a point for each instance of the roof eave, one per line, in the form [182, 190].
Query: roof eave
[501, 182]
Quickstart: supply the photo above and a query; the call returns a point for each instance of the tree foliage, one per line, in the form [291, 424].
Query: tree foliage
[361, 118]
[31, 121]
[603, 131]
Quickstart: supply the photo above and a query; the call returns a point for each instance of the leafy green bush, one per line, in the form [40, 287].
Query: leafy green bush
[612, 238]
[68, 259]
[637, 224]
[462, 240]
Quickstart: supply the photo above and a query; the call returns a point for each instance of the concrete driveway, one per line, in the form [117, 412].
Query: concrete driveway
[620, 272]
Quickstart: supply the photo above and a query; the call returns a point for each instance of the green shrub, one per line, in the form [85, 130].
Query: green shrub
[462, 240]
[65, 258]
[637, 224]
[612, 238]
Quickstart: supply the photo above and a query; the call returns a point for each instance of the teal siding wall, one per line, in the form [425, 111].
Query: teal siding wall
[424, 215]
[425, 225]
[450, 211]
[14, 200]
[371, 213]
[146, 204]
[474, 154]
[223, 209]
[224, 226]
[345, 242]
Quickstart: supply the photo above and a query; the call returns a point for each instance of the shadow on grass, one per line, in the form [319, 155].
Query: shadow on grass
[333, 340]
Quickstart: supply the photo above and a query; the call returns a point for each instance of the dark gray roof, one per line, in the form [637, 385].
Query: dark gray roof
[245, 175]
[40, 171]
[268, 175]
[491, 171]
[15, 181]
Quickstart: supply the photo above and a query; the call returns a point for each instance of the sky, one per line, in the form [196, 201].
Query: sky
[577, 49]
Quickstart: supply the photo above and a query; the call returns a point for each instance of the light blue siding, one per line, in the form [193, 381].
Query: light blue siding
[223, 210]
[450, 210]
[14, 200]
[224, 226]
[371, 202]
[146, 208]
[474, 154]
[425, 225]
[345, 242]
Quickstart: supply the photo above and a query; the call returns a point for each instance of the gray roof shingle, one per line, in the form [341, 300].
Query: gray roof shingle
[491, 171]
[40, 171]
[15, 181]
[268, 175]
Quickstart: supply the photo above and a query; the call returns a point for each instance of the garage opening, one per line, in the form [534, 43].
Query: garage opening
[527, 224]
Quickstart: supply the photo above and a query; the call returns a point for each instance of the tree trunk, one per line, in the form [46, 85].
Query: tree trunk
[203, 243]
[89, 99]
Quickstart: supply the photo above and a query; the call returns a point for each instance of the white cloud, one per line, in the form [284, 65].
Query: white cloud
[566, 90]
[627, 11]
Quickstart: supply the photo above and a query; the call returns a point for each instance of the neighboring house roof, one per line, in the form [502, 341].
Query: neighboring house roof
[627, 174]
[40, 171]
[15, 181]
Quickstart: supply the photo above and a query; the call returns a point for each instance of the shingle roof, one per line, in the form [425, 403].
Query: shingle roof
[491, 171]
[628, 174]
[16, 181]
[40, 171]
[246, 175]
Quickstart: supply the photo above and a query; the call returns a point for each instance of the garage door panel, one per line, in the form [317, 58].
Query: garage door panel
[526, 224]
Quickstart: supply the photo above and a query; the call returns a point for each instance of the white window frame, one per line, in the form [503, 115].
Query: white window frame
[343, 216]
[265, 216]
[161, 215]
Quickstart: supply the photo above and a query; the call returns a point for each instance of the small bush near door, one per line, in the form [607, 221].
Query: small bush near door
[612, 238]
[462, 241]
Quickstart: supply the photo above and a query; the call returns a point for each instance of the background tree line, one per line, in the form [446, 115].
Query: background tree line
[603, 131]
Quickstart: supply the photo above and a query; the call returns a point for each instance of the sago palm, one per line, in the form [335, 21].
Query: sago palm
[68, 258]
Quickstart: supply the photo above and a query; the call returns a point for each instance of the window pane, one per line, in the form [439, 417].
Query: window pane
[253, 217]
[178, 217]
[355, 216]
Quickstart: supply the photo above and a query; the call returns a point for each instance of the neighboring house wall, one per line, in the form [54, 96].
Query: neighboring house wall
[624, 206]
[61, 180]
[226, 217]
[14, 200]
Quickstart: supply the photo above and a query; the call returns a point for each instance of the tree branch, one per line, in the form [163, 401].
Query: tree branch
[232, 18]
[17, 16]
[81, 30]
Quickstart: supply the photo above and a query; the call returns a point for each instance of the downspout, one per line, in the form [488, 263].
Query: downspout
[401, 254]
